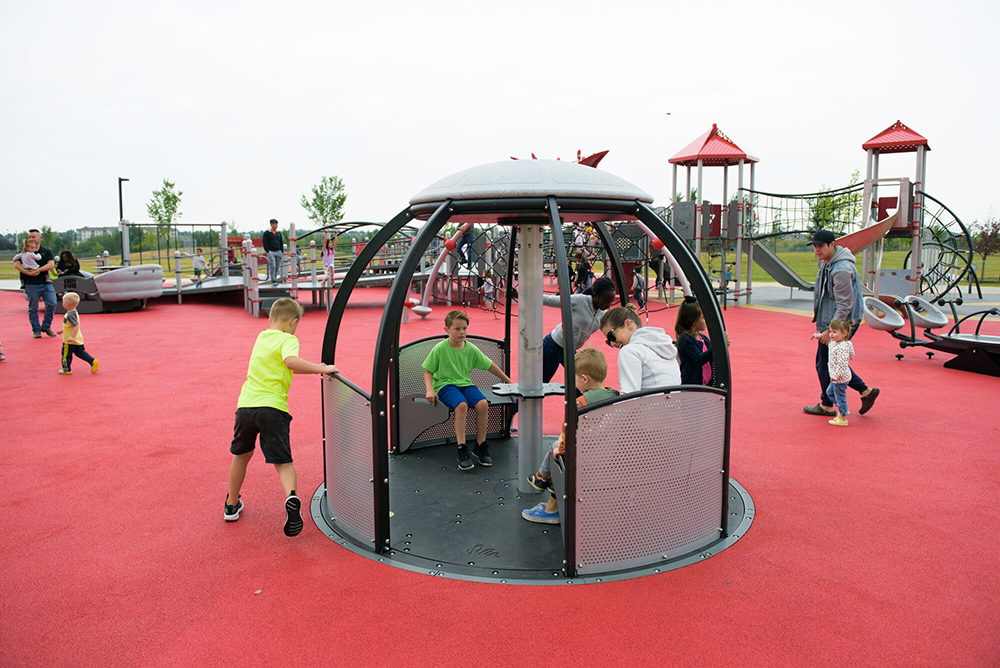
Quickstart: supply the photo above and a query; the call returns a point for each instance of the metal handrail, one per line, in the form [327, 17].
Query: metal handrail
[367, 395]
[444, 336]
[667, 389]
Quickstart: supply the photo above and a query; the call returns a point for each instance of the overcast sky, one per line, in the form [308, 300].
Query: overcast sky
[246, 105]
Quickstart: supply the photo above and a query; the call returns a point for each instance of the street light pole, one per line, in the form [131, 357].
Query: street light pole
[121, 210]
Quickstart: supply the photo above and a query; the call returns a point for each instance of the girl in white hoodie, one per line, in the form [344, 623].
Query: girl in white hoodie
[648, 357]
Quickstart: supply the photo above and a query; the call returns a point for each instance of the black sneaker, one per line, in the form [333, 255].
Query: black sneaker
[482, 453]
[869, 401]
[233, 512]
[293, 519]
[464, 461]
[541, 483]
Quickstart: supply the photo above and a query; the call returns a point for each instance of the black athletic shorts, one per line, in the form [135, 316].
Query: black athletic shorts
[272, 425]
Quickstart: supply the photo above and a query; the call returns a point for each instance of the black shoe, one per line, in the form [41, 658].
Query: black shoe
[49, 332]
[293, 520]
[37, 335]
[482, 453]
[869, 401]
[233, 512]
[464, 461]
[819, 409]
[541, 483]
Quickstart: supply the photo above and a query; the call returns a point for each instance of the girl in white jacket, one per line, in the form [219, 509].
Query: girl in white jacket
[648, 357]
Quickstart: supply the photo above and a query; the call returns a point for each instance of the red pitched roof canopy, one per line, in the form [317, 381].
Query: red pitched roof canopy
[714, 149]
[897, 138]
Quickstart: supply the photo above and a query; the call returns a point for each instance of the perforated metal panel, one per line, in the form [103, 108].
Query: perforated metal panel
[649, 474]
[347, 423]
[411, 381]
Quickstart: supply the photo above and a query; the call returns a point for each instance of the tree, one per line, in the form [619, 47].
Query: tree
[678, 197]
[164, 207]
[986, 241]
[97, 245]
[326, 207]
[836, 212]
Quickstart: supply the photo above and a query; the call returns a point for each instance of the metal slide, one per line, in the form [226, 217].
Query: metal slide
[776, 267]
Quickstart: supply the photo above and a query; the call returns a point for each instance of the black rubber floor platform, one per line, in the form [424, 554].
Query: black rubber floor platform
[468, 518]
[467, 525]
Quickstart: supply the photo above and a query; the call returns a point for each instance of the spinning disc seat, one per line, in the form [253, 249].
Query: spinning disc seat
[123, 289]
[645, 484]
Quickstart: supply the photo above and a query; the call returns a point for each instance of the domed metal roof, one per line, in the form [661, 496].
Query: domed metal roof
[530, 178]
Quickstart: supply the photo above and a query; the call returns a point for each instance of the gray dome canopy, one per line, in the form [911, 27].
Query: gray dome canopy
[530, 178]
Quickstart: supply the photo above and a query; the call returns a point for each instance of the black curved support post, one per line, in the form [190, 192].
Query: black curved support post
[508, 298]
[347, 286]
[567, 505]
[617, 270]
[702, 289]
[386, 351]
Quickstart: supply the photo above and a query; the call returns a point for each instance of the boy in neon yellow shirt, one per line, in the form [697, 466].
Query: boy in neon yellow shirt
[447, 376]
[263, 409]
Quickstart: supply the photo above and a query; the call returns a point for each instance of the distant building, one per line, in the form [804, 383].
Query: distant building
[85, 233]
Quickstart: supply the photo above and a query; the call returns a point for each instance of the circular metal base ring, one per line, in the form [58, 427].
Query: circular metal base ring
[741, 514]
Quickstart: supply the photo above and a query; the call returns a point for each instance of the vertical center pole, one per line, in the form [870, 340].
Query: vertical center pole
[529, 358]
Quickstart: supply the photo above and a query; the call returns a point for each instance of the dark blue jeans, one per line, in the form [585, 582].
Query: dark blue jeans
[823, 371]
[552, 357]
[47, 294]
[467, 240]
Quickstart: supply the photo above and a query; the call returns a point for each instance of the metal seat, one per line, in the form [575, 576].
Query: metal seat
[925, 314]
[880, 316]
[422, 424]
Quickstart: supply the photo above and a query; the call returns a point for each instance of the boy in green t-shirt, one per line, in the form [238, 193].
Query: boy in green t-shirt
[263, 409]
[448, 377]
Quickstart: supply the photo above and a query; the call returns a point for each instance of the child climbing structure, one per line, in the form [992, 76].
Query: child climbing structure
[866, 216]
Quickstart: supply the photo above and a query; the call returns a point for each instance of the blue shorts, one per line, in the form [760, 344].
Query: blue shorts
[453, 395]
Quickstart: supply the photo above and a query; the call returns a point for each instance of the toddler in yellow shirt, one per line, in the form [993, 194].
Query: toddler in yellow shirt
[73, 337]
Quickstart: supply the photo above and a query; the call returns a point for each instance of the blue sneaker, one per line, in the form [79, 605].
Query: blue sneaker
[539, 514]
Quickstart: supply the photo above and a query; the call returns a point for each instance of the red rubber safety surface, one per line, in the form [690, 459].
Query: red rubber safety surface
[872, 545]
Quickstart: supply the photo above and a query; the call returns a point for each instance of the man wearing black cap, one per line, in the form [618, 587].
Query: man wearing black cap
[836, 295]
[274, 246]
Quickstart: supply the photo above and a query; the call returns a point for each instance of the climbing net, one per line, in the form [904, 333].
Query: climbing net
[773, 215]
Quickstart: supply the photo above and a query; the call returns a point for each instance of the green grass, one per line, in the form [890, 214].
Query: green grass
[804, 264]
